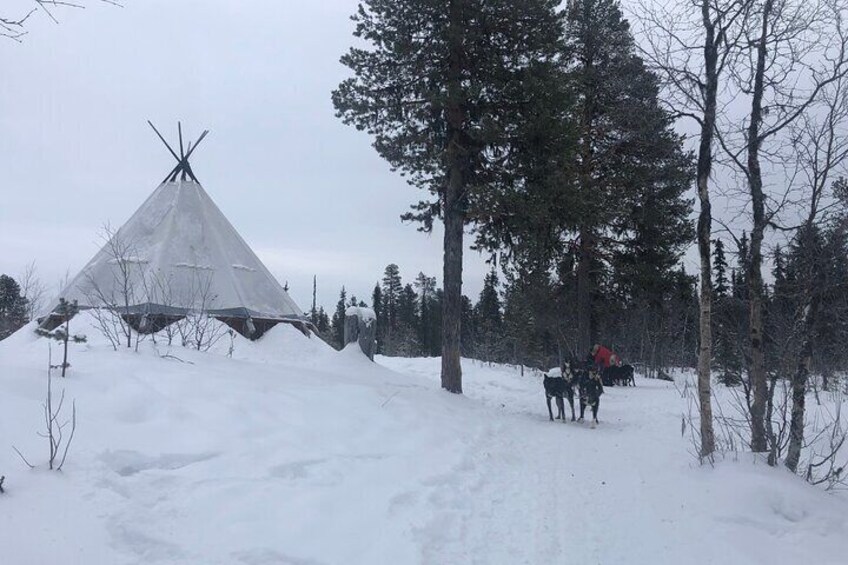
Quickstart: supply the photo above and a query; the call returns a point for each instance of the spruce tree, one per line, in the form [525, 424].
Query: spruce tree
[469, 343]
[488, 318]
[339, 319]
[721, 287]
[379, 313]
[392, 287]
[13, 306]
[631, 170]
[742, 260]
[616, 208]
[426, 288]
[323, 322]
[440, 86]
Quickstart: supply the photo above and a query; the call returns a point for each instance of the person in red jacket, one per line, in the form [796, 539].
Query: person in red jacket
[604, 357]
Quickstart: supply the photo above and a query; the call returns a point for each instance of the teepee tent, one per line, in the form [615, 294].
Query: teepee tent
[177, 256]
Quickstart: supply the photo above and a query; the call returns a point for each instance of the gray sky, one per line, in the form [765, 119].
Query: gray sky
[307, 193]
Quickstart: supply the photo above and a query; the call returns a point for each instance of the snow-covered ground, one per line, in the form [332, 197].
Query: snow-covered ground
[290, 452]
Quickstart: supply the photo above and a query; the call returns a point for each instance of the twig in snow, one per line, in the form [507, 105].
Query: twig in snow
[21, 455]
[389, 399]
[174, 357]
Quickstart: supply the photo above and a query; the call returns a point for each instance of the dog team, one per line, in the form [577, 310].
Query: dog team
[602, 368]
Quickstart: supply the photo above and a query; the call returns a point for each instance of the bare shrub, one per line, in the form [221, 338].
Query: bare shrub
[55, 424]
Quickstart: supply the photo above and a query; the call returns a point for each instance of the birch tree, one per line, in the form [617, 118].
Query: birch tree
[692, 46]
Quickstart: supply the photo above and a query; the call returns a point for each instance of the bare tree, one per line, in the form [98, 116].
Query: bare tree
[33, 290]
[794, 49]
[55, 424]
[115, 297]
[691, 46]
[819, 142]
[14, 27]
[200, 330]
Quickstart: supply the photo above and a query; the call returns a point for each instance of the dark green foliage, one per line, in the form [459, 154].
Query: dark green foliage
[379, 312]
[323, 322]
[817, 258]
[13, 306]
[392, 288]
[608, 228]
[721, 286]
[401, 89]
[339, 320]
[740, 285]
[428, 323]
[726, 318]
[488, 320]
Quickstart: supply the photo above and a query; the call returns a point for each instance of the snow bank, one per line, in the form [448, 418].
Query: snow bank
[365, 314]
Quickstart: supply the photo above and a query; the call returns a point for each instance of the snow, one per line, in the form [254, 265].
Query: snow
[363, 313]
[291, 452]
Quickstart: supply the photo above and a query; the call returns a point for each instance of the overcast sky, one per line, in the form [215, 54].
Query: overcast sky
[309, 194]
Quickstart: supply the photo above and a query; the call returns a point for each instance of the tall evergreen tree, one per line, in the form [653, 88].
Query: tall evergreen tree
[488, 318]
[426, 288]
[627, 147]
[323, 322]
[379, 313]
[742, 259]
[721, 287]
[616, 207]
[339, 319]
[469, 344]
[439, 87]
[392, 288]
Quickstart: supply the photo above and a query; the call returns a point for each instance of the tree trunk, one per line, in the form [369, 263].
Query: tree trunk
[453, 207]
[584, 295]
[588, 189]
[756, 366]
[809, 317]
[799, 387]
[705, 156]
[65, 344]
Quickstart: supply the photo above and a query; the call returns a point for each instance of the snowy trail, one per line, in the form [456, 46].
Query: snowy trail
[291, 453]
[532, 491]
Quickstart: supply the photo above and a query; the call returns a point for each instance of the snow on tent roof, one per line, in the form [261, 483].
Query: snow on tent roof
[366, 314]
[180, 253]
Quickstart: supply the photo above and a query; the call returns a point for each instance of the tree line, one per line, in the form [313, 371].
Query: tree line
[522, 320]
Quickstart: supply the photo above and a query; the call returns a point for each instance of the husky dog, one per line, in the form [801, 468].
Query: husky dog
[560, 386]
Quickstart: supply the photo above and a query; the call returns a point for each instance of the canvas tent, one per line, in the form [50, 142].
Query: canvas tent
[178, 255]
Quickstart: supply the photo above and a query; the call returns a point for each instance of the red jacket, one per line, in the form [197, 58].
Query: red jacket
[604, 357]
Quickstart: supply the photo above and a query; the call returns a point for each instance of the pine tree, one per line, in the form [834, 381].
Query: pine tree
[439, 87]
[339, 319]
[616, 209]
[379, 312]
[721, 287]
[323, 322]
[631, 167]
[13, 306]
[488, 318]
[392, 287]
[469, 344]
[742, 260]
